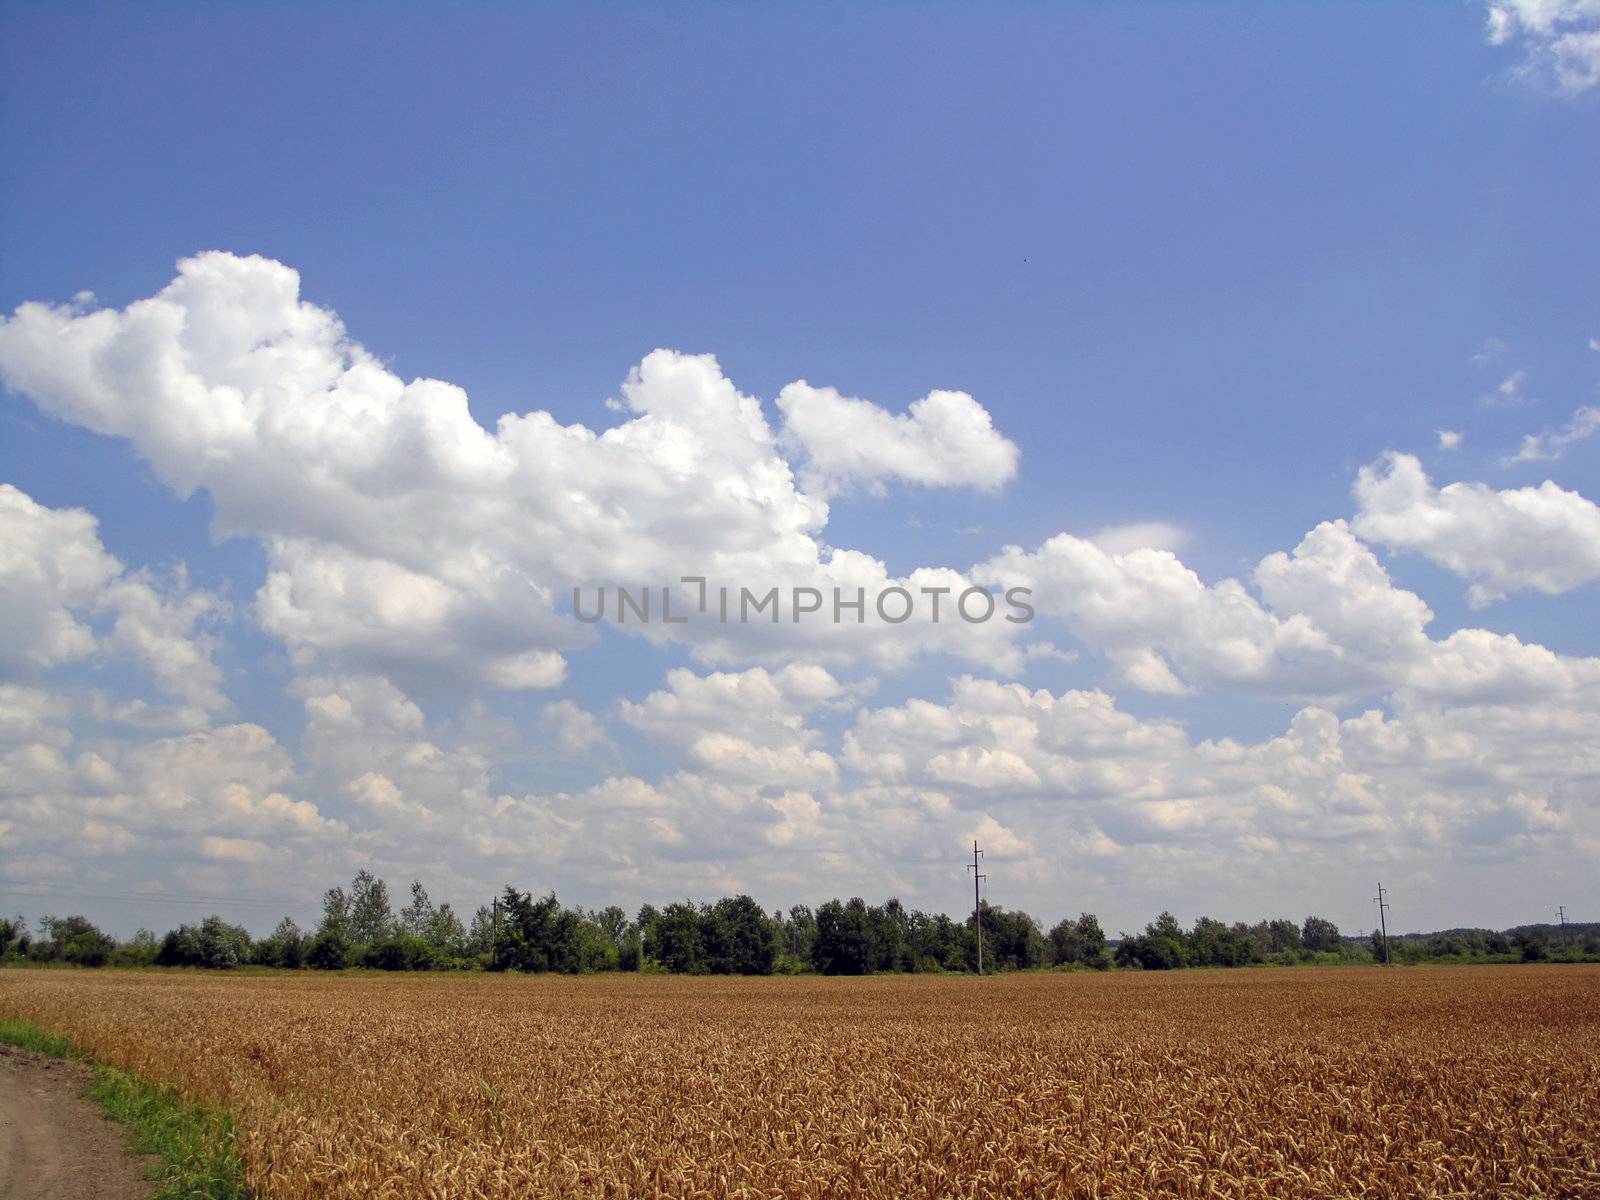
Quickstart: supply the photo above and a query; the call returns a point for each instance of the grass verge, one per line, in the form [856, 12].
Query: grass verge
[197, 1156]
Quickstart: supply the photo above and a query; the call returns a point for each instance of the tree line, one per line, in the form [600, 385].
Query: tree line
[522, 931]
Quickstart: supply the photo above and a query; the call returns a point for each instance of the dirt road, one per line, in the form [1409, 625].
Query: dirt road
[54, 1145]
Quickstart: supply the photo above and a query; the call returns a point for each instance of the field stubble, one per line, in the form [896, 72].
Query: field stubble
[1299, 1083]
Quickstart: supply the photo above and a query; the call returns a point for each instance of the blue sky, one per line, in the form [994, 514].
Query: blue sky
[1200, 265]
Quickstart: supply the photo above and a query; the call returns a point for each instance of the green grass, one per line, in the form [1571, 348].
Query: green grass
[31, 1037]
[197, 1155]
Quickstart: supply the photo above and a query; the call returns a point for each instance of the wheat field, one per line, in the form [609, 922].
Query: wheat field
[1294, 1083]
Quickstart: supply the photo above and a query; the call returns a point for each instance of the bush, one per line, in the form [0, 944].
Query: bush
[74, 940]
[138, 951]
[1320, 936]
[596, 951]
[330, 950]
[1534, 946]
[402, 952]
[1159, 948]
[213, 944]
[1213, 944]
[284, 947]
[14, 939]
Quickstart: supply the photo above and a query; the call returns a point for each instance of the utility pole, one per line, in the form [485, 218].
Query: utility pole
[1383, 923]
[494, 950]
[1561, 916]
[977, 902]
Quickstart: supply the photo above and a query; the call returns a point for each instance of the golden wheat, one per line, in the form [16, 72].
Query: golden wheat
[1469, 1082]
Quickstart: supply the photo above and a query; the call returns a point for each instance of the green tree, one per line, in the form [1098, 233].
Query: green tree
[1283, 937]
[371, 918]
[630, 951]
[417, 917]
[739, 937]
[843, 944]
[597, 951]
[445, 933]
[1321, 936]
[674, 937]
[335, 913]
[799, 930]
[74, 939]
[480, 937]
[1011, 940]
[285, 946]
[1213, 944]
[537, 935]
[612, 921]
[1080, 942]
[213, 944]
[937, 943]
[621, 948]
[14, 938]
[138, 951]
[1533, 945]
[1159, 948]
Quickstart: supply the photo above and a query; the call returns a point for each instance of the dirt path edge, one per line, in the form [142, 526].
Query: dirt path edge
[54, 1143]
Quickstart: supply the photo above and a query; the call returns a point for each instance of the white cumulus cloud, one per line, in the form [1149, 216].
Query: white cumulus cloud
[66, 599]
[1560, 39]
[405, 539]
[946, 439]
[1327, 620]
[1553, 443]
[1543, 539]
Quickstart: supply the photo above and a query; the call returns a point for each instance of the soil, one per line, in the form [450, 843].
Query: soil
[54, 1144]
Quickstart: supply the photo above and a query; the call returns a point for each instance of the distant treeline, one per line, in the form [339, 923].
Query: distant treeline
[1572, 942]
[735, 936]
